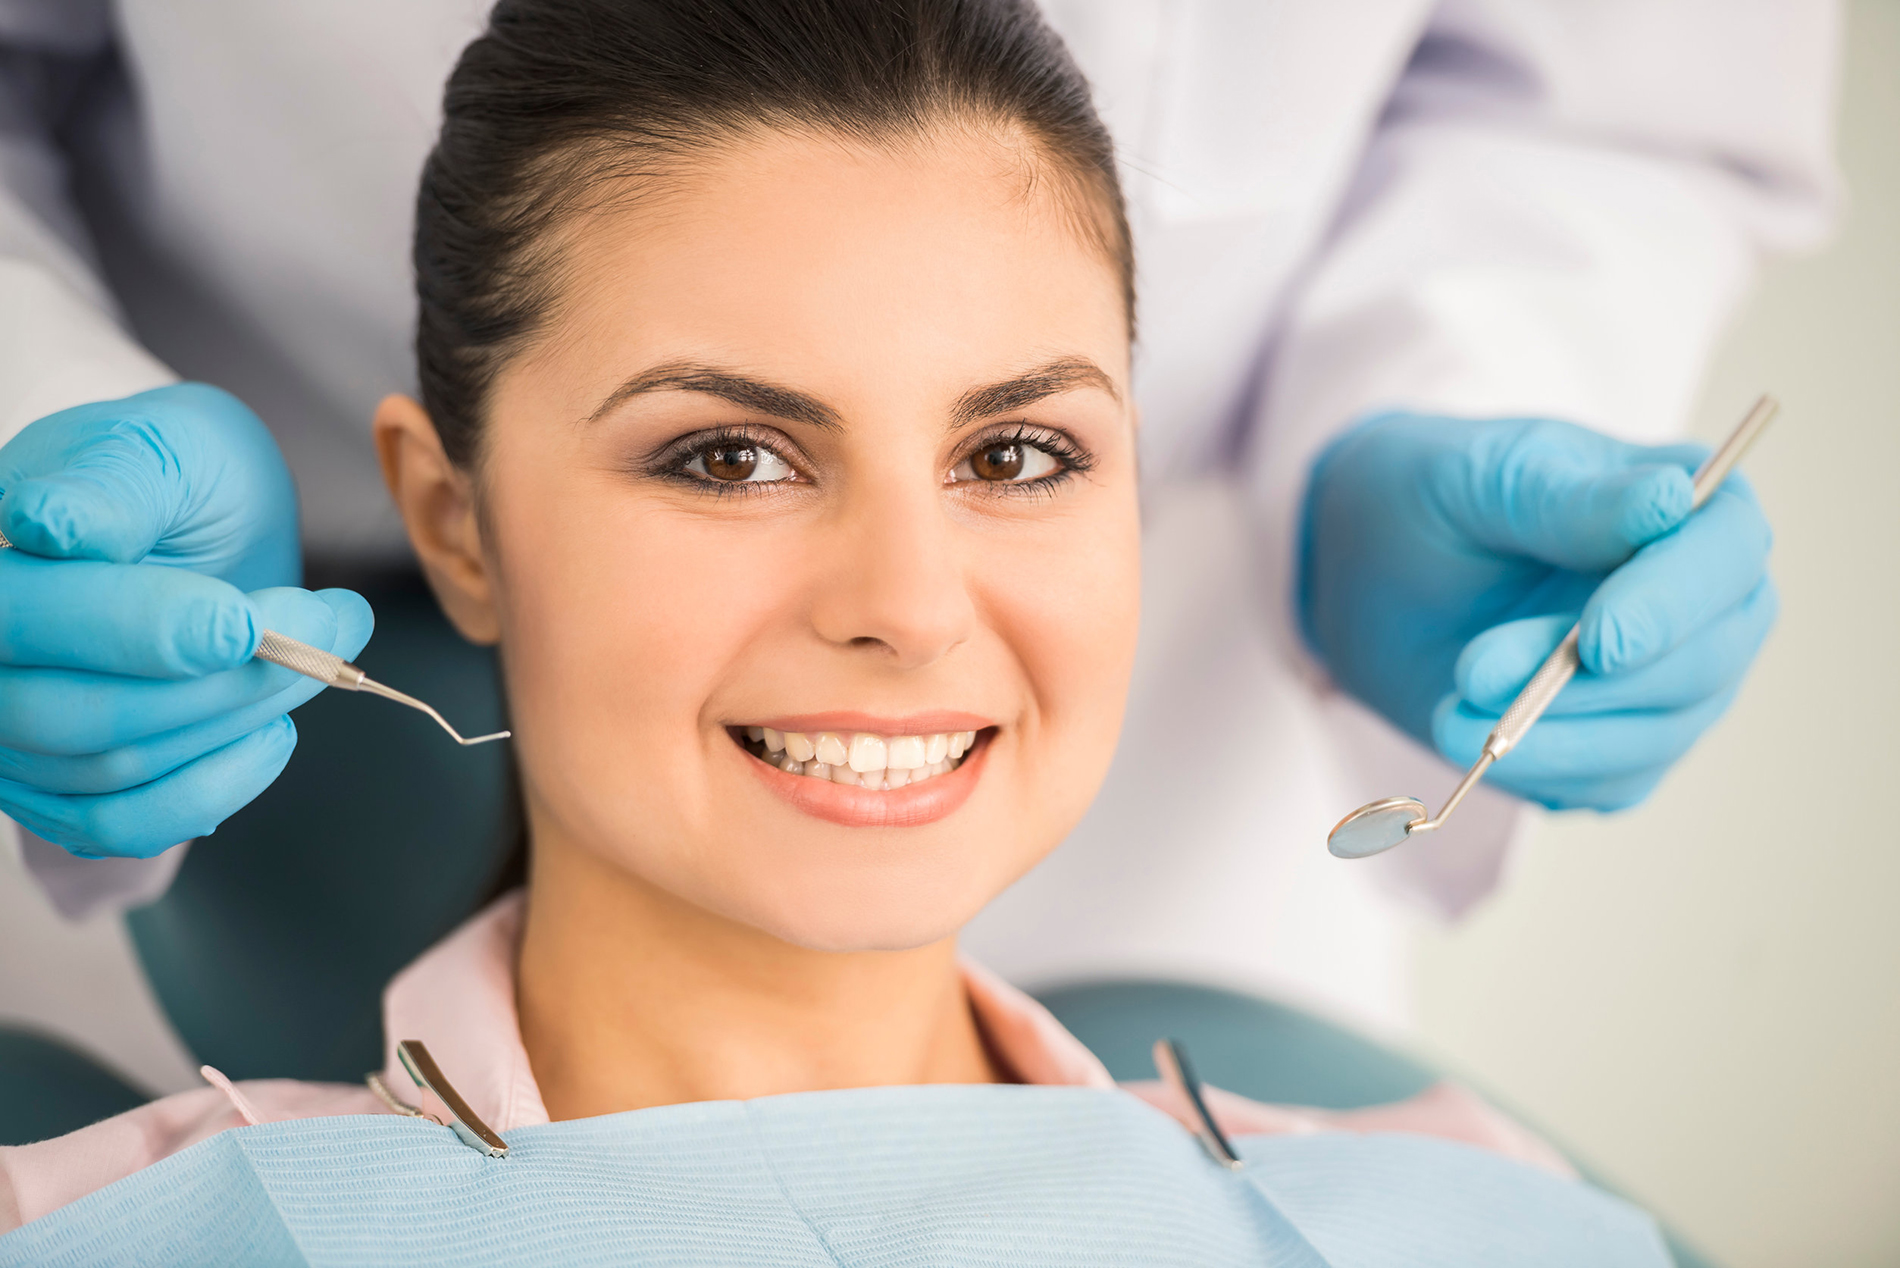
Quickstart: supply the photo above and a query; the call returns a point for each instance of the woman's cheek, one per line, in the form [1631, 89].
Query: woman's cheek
[1073, 624]
[580, 623]
[656, 604]
[1100, 641]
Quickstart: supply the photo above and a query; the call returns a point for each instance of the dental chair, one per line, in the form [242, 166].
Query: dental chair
[270, 951]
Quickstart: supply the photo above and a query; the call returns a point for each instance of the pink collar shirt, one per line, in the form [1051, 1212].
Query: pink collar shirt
[459, 999]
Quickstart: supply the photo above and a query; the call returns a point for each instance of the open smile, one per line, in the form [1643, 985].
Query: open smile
[866, 778]
[863, 759]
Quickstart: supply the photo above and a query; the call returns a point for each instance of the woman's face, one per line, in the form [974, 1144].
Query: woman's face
[826, 460]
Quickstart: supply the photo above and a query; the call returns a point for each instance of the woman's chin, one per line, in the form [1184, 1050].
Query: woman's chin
[861, 922]
[843, 905]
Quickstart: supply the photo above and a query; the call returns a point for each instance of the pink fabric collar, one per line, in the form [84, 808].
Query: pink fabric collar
[459, 999]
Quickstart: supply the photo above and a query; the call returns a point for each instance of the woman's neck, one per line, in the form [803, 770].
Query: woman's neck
[631, 997]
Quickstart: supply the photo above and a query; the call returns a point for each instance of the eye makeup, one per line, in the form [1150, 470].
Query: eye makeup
[725, 461]
[1009, 459]
[1021, 459]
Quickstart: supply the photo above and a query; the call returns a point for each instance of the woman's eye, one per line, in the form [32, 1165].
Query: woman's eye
[1007, 462]
[733, 463]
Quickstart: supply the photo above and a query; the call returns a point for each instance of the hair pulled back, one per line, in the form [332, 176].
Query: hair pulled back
[559, 97]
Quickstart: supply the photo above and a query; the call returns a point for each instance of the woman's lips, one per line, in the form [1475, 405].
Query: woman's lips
[855, 807]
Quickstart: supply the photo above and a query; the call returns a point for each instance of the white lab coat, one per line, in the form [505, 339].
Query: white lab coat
[1482, 206]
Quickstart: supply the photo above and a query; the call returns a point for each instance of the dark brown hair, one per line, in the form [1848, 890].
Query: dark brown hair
[560, 98]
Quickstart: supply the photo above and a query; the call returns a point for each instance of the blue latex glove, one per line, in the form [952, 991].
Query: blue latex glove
[132, 716]
[1443, 560]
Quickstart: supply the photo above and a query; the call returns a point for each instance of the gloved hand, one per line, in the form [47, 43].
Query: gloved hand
[132, 716]
[1443, 559]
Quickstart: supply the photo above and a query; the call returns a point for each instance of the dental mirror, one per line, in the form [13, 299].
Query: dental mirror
[1377, 827]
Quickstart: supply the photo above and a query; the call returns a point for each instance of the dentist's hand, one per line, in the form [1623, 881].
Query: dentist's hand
[1445, 558]
[132, 716]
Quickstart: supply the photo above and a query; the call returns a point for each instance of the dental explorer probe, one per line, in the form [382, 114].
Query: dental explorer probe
[1380, 825]
[334, 671]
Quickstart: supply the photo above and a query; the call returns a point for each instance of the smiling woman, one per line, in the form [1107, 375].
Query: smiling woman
[823, 432]
[775, 424]
[829, 438]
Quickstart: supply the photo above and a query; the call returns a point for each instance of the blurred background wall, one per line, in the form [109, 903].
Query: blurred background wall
[1703, 996]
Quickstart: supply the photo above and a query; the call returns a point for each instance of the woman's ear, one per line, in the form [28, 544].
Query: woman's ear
[437, 501]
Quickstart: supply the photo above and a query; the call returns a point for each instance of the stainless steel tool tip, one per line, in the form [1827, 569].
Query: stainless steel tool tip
[1375, 828]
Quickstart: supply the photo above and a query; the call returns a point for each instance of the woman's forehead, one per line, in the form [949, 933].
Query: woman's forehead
[815, 261]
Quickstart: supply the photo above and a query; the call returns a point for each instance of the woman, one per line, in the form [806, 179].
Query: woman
[775, 424]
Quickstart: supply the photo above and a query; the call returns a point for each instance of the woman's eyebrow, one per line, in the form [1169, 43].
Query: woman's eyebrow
[1061, 375]
[741, 389]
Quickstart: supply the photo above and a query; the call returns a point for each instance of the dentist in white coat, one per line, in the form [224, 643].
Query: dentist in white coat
[1449, 219]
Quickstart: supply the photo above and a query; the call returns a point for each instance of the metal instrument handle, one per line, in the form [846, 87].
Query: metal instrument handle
[1562, 664]
[1715, 468]
[333, 671]
[1551, 677]
[1171, 1061]
[466, 1124]
[311, 662]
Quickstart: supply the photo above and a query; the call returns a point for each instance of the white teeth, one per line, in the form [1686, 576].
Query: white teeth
[904, 752]
[867, 752]
[877, 763]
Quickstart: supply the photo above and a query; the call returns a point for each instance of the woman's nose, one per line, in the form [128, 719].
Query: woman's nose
[895, 584]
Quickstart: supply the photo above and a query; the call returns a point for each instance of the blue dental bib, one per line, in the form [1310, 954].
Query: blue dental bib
[869, 1177]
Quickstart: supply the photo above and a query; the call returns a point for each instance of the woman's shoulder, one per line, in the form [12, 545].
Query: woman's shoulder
[46, 1175]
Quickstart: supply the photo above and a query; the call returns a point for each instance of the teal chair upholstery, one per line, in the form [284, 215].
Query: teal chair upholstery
[48, 1088]
[1314, 1062]
[272, 947]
